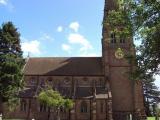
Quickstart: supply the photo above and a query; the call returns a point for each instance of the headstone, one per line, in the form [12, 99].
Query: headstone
[130, 117]
[1, 116]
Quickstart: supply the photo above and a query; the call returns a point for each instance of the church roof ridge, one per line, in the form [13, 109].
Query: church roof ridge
[64, 66]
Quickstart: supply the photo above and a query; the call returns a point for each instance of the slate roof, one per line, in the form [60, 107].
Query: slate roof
[64, 66]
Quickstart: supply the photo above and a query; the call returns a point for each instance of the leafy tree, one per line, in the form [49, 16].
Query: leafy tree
[53, 99]
[11, 64]
[140, 19]
[145, 18]
[146, 23]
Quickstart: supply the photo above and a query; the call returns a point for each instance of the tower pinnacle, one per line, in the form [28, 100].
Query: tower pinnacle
[110, 5]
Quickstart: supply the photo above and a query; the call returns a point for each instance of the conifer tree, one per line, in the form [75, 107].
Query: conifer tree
[11, 64]
[151, 95]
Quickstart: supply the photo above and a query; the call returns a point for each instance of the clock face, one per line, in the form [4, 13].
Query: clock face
[119, 54]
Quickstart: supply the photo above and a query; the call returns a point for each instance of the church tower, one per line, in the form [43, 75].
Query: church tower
[126, 95]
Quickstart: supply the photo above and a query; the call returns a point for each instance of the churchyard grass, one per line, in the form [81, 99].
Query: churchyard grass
[152, 118]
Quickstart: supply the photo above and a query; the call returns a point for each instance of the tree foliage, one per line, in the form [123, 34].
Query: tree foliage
[146, 23]
[145, 17]
[11, 63]
[140, 19]
[53, 99]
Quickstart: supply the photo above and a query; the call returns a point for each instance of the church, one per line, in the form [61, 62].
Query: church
[99, 86]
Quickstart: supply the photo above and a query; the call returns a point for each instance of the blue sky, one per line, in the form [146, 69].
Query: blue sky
[49, 27]
[57, 27]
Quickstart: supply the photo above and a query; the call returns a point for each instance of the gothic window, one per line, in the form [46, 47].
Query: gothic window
[62, 110]
[42, 83]
[49, 79]
[33, 81]
[113, 38]
[66, 81]
[122, 40]
[84, 107]
[23, 106]
[42, 108]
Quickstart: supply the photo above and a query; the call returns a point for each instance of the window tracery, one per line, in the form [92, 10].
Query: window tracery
[84, 108]
[23, 106]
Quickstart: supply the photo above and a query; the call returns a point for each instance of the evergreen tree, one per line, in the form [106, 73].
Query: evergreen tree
[151, 96]
[11, 64]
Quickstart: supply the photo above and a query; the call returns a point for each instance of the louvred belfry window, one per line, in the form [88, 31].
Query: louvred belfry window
[113, 38]
[122, 40]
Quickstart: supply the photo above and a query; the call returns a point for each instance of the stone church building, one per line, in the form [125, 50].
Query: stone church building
[99, 86]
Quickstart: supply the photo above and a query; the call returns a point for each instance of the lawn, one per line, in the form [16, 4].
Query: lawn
[13, 119]
[152, 118]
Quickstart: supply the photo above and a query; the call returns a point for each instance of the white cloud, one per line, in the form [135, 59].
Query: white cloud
[66, 47]
[32, 47]
[74, 26]
[47, 37]
[8, 5]
[75, 38]
[3, 2]
[59, 29]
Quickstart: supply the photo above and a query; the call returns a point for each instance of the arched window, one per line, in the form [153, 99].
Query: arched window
[42, 108]
[66, 80]
[23, 106]
[113, 38]
[33, 81]
[42, 83]
[84, 107]
[49, 79]
[62, 110]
